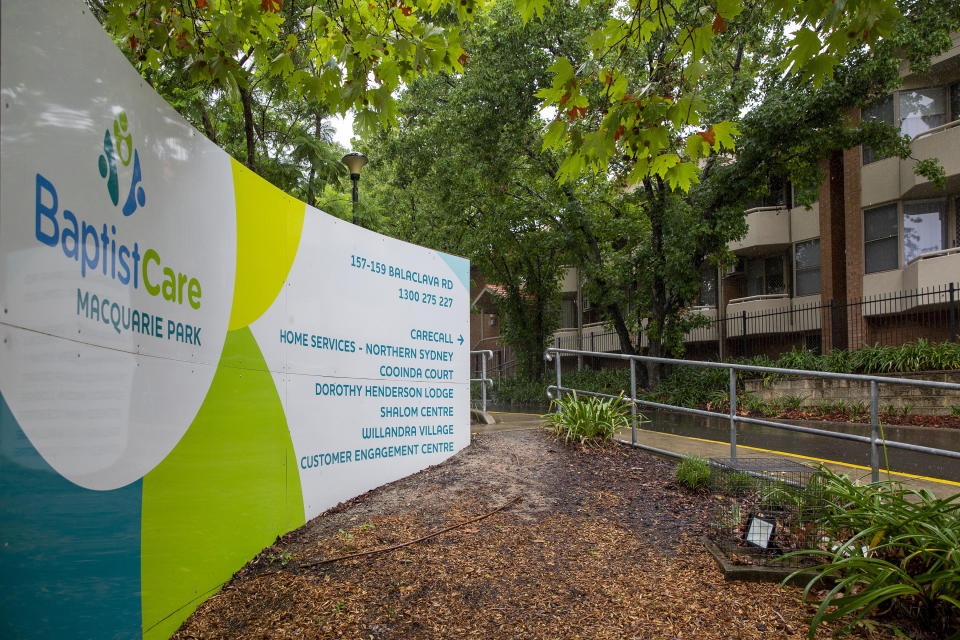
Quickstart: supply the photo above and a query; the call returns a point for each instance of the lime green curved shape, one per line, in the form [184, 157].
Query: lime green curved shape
[269, 225]
[225, 492]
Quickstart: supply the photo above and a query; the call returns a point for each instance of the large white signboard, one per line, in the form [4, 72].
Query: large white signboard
[192, 362]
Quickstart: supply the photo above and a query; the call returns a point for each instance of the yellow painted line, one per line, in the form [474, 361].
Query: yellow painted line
[797, 455]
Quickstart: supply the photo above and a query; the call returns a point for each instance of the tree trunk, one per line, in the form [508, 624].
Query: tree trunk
[245, 99]
[208, 125]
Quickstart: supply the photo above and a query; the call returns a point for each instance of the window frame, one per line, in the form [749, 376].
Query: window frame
[944, 204]
[894, 122]
[764, 286]
[898, 112]
[797, 269]
[897, 236]
[705, 274]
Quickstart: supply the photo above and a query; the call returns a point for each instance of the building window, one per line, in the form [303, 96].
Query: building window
[882, 111]
[779, 194]
[708, 287]
[568, 308]
[924, 227]
[922, 110]
[880, 239]
[956, 222]
[807, 259]
[955, 102]
[765, 276]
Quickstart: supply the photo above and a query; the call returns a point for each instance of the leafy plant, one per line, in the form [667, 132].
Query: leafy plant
[858, 409]
[955, 411]
[792, 402]
[885, 545]
[729, 517]
[283, 558]
[738, 483]
[587, 420]
[693, 472]
[751, 403]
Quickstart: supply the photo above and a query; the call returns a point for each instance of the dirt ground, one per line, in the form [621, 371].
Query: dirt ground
[601, 545]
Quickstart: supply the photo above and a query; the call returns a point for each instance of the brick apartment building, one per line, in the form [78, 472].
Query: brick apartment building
[872, 260]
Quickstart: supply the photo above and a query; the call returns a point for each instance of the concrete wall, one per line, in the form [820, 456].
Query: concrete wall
[937, 402]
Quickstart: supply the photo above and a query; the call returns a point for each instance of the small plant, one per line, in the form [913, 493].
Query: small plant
[955, 411]
[858, 409]
[889, 409]
[906, 410]
[589, 420]
[887, 547]
[751, 403]
[825, 407]
[738, 483]
[792, 402]
[694, 473]
[283, 558]
[720, 401]
[729, 517]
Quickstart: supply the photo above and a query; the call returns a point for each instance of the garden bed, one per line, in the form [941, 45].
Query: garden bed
[601, 545]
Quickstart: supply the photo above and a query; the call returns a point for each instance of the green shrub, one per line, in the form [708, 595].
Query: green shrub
[587, 420]
[738, 483]
[885, 545]
[694, 473]
[609, 381]
[691, 386]
[516, 390]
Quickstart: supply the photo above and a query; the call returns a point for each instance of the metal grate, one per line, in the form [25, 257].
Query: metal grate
[769, 507]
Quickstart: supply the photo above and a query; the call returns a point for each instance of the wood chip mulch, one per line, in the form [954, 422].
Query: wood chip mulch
[601, 545]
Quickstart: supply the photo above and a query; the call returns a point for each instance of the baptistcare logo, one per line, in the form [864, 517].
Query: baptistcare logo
[120, 147]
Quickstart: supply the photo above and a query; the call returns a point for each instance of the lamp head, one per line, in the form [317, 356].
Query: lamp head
[355, 162]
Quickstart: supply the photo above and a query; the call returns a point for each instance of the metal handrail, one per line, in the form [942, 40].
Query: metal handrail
[761, 209]
[733, 368]
[487, 355]
[933, 254]
[763, 296]
[943, 127]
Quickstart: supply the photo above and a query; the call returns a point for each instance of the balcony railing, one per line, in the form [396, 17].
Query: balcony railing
[935, 254]
[766, 296]
[943, 127]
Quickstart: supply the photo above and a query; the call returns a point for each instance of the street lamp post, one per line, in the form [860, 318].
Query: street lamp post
[355, 162]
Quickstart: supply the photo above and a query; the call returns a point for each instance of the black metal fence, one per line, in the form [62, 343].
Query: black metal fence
[779, 325]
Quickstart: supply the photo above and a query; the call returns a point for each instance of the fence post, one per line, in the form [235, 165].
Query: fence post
[483, 382]
[874, 433]
[743, 335]
[833, 324]
[953, 315]
[559, 384]
[733, 413]
[633, 400]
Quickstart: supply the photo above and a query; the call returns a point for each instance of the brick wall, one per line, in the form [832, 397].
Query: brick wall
[936, 402]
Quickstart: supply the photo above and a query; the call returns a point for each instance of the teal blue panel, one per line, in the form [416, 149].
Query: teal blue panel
[69, 557]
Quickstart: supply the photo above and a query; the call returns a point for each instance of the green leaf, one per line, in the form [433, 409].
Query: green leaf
[571, 167]
[662, 163]
[365, 122]
[729, 8]
[696, 147]
[725, 130]
[554, 134]
[682, 175]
